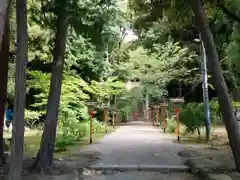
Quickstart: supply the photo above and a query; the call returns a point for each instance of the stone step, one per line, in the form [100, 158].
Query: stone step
[136, 167]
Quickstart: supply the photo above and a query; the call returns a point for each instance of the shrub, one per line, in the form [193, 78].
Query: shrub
[171, 125]
[97, 126]
[71, 126]
[192, 116]
[62, 141]
[70, 129]
[31, 117]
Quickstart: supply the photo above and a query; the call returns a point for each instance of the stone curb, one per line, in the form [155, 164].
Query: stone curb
[204, 172]
[135, 167]
[209, 176]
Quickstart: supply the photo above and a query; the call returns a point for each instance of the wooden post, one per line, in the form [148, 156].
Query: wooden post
[91, 116]
[177, 101]
[157, 116]
[91, 106]
[106, 119]
[152, 115]
[163, 107]
[178, 124]
[156, 111]
[113, 120]
[163, 112]
[164, 120]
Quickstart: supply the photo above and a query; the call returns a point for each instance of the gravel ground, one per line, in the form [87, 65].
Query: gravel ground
[138, 143]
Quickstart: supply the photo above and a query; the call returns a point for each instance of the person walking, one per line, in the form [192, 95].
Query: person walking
[9, 117]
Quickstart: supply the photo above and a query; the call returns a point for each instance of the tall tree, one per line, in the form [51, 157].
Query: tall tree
[44, 159]
[20, 92]
[229, 119]
[3, 17]
[4, 54]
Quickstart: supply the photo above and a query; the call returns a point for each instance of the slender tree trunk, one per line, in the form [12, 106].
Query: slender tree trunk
[4, 54]
[20, 92]
[229, 119]
[3, 14]
[44, 159]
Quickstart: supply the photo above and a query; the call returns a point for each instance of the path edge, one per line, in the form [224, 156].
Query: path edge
[204, 173]
[136, 167]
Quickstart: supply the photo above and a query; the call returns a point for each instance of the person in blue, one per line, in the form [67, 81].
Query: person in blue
[8, 115]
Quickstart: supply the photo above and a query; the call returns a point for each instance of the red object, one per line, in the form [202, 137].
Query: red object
[91, 114]
[177, 110]
[135, 115]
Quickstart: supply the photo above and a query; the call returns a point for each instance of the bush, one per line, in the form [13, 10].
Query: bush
[62, 141]
[70, 129]
[192, 116]
[171, 125]
[98, 126]
[31, 117]
[71, 126]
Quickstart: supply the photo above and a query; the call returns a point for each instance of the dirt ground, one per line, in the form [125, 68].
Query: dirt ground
[62, 166]
[218, 150]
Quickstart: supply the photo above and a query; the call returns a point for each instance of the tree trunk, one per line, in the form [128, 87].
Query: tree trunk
[229, 119]
[44, 159]
[4, 53]
[3, 14]
[20, 92]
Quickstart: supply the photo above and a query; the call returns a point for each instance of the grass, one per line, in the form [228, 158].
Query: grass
[32, 140]
[219, 137]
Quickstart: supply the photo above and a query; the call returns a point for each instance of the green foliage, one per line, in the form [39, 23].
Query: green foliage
[236, 104]
[98, 126]
[71, 126]
[233, 53]
[72, 95]
[11, 82]
[31, 117]
[82, 57]
[106, 89]
[192, 116]
[158, 21]
[157, 67]
[128, 100]
[72, 130]
[63, 141]
[171, 125]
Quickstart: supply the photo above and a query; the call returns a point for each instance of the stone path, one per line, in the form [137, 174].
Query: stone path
[135, 145]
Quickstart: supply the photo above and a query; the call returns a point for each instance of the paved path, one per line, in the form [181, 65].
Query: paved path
[138, 143]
